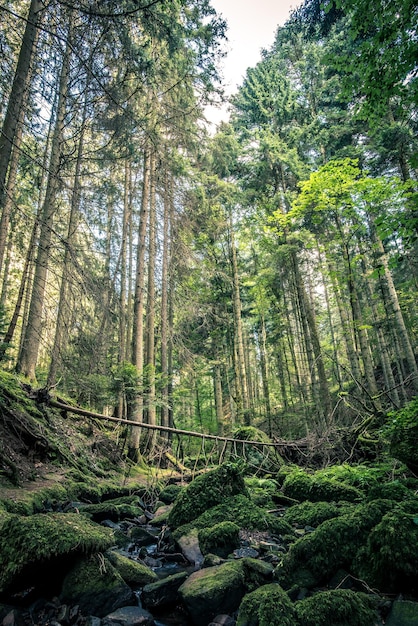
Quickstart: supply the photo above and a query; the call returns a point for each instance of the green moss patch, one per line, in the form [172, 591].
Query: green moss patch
[26, 541]
[268, 605]
[243, 512]
[115, 510]
[314, 558]
[206, 491]
[339, 607]
[314, 513]
[220, 539]
[301, 486]
[132, 572]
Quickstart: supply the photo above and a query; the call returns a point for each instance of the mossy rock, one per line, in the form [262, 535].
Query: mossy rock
[163, 592]
[256, 457]
[115, 510]
[206, 491]
[302, 486]
[96, 587]
[220, 539]
[169, 494]
[339, 607]
[389, 560]
[132, 572]
[243, 512]
[393, 490]
[263, 491]
[220, 589]
[268, 605]
[28, 542]
[314, 558]
[314, 513]
[214, 590]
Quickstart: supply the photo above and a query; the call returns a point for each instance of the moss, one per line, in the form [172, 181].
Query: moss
[314, 513]
[28, 540]
[339, 607]
[268, 605]
[170, 493]
[389, 560]
[132, 572]
[302, 486]
[314, 558]
[394, 490]
[205, 492]
[115, 510]
[243, 512]
[260, 457]
[96, 587]
[220, 539]
[262, 491]
[256, 573]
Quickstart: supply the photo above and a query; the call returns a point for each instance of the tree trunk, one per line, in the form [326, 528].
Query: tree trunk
[138, 317]
[17, 101]
[168, 200]
[32, 338]
[150, 312]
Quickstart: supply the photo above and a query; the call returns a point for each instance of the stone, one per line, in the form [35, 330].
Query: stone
[242, 553]
[403, 613]
[163, 592]
[141, 536]
[96, 586]
[213, 591]
[129, 616]
[189, 545]
[132, 572]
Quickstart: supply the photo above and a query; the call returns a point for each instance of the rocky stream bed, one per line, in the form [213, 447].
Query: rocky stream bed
[299, 549]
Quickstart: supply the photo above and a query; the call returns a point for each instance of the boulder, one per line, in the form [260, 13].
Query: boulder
[339, 607]
[403, 613]
[213, 590]
[220, 539]
[96, 586]
[206, 491]
[132, 572]
[163, 592]
[129, 616]
[267, 606]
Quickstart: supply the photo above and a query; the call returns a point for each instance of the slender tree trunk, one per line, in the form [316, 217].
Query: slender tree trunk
[399, 322]
[17, 100]
[32, 338]
[150, 312]
[264, 371]
[238, 335]
[138, 318]
[168, 199]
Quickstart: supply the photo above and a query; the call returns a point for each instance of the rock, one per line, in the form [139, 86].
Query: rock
[220, 539]
[30, 544]
[214, 590]
[206, 491]
[132, 572]
[245, 552]
[339, 607]
[96, 586]
[301, 486]
[115, 510]
[268, 604]
[141, 536]
[403, 613]
[190, 547]
[163, 592]
[222, 620]
[129, 616]
[91, 620]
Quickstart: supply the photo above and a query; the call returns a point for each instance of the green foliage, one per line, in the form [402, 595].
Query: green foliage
[220, 539]
[28, 540]
[268, 605]
[339, 607]
[205, 492]
[402, 432]
[170, 493]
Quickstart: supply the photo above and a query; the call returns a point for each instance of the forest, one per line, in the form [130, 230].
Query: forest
[261, 276]
[208, 338]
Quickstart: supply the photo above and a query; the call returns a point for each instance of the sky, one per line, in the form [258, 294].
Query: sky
[252, 25]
